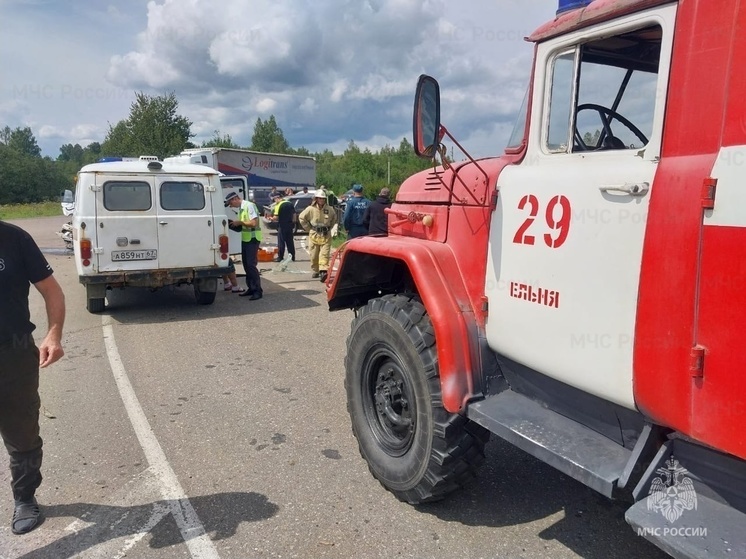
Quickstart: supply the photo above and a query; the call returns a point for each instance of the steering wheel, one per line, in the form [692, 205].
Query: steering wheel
[607, 116]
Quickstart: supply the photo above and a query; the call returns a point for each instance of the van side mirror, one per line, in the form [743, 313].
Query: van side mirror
[427, 132]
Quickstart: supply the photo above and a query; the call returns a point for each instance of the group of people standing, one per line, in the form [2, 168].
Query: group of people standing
[361, 217]
[365, 217]
[318, 220]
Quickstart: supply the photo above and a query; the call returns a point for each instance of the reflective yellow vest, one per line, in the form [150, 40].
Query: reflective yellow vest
[245, 214]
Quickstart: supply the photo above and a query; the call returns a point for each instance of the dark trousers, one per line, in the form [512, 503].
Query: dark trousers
[249, 259]
[19, 414]
[285, 238]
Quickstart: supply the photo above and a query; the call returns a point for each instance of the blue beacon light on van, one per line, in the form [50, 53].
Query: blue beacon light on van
[567, 5]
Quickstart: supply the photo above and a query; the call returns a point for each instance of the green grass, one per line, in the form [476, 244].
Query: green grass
[18, 211]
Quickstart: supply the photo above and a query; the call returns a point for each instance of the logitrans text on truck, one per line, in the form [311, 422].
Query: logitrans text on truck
[581, 295]
[261, 170]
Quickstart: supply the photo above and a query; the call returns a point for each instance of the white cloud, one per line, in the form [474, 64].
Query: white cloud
[137, 69]
[266, 105]
[330, 71]
[47, 131]
[81, 132]
[338, 90]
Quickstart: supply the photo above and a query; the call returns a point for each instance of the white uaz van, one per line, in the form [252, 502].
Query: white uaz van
[149, 224]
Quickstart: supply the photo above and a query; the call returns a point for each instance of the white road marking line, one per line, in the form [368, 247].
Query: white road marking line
[199, 544]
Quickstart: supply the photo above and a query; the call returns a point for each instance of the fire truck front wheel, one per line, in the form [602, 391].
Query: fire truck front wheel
[413, 446]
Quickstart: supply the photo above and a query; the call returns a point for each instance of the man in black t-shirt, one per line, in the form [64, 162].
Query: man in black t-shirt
[284, 214]
[21, 264]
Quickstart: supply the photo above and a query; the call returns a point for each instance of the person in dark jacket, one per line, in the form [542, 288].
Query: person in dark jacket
[375, 219]
[355, 213]
[284, 215]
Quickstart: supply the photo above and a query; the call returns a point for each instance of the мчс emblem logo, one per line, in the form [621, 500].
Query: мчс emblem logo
[672, 492]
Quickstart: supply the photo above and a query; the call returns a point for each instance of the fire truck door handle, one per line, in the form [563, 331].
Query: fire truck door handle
[163, 222]
[640, 189]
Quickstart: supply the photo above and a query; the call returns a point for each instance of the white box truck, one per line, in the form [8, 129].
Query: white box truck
[261, 170]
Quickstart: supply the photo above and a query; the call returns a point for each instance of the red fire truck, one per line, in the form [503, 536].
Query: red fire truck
[581, 295]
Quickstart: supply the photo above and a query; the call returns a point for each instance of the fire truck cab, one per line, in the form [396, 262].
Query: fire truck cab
[581, 295]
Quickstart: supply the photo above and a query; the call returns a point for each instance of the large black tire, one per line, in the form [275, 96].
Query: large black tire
[413, 446]
[205, 290]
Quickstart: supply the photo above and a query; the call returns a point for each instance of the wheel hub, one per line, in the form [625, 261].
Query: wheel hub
[393, 408]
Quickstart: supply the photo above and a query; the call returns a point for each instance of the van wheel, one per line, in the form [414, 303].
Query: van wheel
[414, 447]
[204, 290]
[95, 303]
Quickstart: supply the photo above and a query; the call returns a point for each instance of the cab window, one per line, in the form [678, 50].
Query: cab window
[127, 196]
[602, 94]
[518, 135]
[231, 183]
[182, 196]
[560, 102]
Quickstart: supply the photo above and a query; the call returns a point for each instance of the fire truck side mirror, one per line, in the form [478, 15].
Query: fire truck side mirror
[426, 122]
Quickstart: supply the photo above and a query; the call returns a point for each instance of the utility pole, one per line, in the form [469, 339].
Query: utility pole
[388, 173]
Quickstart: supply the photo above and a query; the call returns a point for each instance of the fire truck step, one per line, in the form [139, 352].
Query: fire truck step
[711, 530]
[572, 448]
[691, 502]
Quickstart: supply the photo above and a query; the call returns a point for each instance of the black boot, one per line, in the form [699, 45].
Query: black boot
[322, 276]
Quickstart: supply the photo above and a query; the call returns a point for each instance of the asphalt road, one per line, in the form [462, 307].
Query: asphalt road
[177, 430]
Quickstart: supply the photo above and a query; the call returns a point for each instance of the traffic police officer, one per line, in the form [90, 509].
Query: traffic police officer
[251, 236]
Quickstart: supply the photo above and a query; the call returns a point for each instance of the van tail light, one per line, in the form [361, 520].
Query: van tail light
[223, 242]
[85, 251]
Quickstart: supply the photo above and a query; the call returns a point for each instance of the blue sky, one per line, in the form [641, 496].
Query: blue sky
[330, 71]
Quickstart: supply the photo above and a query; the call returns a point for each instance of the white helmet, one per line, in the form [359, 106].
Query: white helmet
[320, 194]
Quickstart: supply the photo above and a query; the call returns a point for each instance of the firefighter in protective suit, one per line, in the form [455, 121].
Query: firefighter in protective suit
[318, 219]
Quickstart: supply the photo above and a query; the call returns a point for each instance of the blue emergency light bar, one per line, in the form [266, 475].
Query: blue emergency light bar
[567, 5]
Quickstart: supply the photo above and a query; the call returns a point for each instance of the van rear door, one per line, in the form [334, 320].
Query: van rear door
[126, 229]
[238, 185]
[186, 228]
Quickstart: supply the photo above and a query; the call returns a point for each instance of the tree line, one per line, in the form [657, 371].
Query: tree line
[154, 127]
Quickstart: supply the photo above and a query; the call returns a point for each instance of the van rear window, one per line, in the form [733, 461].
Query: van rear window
[127, 196]
[182, 196]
